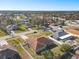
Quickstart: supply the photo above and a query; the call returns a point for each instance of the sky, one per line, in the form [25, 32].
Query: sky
[40, 5]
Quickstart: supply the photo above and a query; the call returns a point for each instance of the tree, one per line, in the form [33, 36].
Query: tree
[22, 17]
[63, 23]
[22, 27]
[65, 47]
[47, 54]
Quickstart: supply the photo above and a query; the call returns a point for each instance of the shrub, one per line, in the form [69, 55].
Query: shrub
[65, 47]
[22, 27]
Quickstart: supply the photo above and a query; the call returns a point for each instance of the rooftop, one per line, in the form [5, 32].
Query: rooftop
[65, 36]
[39, 43]
[9, 54]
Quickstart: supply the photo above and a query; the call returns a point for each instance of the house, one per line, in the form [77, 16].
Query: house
[58, 34]
[68, 37]
[62, 35]
[9, 28]
[9, 54]
[40, 44]
[55, 28]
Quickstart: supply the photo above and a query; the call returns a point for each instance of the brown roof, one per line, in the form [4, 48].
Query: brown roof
[39, 42]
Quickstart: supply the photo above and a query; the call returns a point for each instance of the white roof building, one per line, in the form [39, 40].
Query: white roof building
[65, 36]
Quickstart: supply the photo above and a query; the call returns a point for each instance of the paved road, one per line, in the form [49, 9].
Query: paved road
[15, 35]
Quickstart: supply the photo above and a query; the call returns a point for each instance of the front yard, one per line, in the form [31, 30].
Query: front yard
[46, 33]
[16, 42]
[19, 31]
[39, 34]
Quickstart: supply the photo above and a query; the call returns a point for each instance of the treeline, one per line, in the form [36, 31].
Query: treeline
[69, 15]
[38, 17]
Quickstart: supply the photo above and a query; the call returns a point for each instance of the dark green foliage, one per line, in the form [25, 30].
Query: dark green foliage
[22, 27]
[47, 54]
[65, 47]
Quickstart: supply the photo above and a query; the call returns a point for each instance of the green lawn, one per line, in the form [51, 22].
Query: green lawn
[19, 48]
[12, 42]
[19, 31]
[2, 33]
[15, 42]
[19, 40]
[46, 33]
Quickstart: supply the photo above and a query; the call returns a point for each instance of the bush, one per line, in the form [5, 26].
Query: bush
[22, 27]
[65, 47]
[2, 33]
[47, 54]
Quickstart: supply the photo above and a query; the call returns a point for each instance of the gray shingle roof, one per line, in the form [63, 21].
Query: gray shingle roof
[9, 54]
